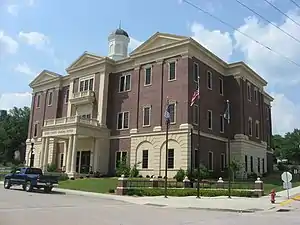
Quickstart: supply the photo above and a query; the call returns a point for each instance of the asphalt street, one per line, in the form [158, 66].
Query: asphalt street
[19, 207]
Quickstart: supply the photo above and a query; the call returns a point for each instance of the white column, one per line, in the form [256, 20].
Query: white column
[73, 159]
[41, 162]
[92, 155]
[102, 101]
[96, 155]
[65, 155]
[71, 90]
[69, 154]
[46, 154]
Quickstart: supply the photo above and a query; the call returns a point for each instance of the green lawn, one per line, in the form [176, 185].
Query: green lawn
[99, 185]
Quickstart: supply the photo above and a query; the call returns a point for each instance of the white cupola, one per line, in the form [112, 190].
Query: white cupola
[118, 44]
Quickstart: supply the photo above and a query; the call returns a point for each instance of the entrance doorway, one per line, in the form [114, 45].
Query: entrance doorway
[83, 161]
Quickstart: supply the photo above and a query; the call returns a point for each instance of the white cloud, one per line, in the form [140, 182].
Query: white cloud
[133, 44]
[38, 40]
[13, 9]
[7, 44]
[217, 42]
[24, 68]
[10, 100]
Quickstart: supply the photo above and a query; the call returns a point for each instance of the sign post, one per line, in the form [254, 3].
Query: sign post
[287, 177]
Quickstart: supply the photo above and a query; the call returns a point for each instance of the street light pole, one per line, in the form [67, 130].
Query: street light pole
[31, 153]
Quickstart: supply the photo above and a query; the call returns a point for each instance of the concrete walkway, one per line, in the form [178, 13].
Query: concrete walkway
[222, 203]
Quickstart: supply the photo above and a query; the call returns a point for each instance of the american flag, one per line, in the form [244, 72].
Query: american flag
[227, 112]
[167, 113]
[196, 93]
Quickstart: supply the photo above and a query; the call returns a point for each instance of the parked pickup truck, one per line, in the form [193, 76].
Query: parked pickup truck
[30, 178]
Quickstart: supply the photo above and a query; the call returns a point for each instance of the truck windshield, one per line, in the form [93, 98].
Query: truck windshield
[34, 171]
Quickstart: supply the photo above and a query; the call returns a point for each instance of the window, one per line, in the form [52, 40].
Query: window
[221, 90]
[86, 116]
[246, 163]
[263, 166]
[249, 93]
[258, 165]
[35, 130]
[146, 115]
[172, 71]
[61, 160]
[172, 108]
[255, 95]
[223, 162]
[148, 76]
[222, 123]
[50, 98]
[121, 157]
[170, 158]
[209, 80]
[257, 129]
[66, 96]
[86, 85]
[125, 83]
[251, 164]
[38, 101]
[123, 120]
[195, 114]
[250, 126]
[145, 159]
[210, 161]
[196, 72]
[209, 118]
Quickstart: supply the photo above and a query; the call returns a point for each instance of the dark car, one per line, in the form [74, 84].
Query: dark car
[30, 178]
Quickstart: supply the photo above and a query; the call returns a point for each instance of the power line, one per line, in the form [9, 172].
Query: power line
[276, 8]
[273, 24]
[295, 3]
[246, 35]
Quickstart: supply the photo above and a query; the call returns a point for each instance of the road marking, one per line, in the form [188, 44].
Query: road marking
[289, 201]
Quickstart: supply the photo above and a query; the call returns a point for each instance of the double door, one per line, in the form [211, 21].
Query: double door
[83, 162]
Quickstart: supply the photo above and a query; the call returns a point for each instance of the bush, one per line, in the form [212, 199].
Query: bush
[180, 175]
[190, 192]
[134, 172]
[147, 176]
[51, 167]
[252, 176]
[193, 174]
[282, 167]
[111, 191]
[123, 168]
[63, 177]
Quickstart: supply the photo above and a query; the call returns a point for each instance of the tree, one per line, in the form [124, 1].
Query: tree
[235, 166]
[13, 132]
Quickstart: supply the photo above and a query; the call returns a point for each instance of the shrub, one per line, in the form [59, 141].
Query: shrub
[147, 176]
[252, 176]
[111, 191]
[190, 192]
[51, 167]
[134, 172]
[123, 168]
[140, 176]
[179, 175]
[282, 167]
[159, 177]
[63, 177]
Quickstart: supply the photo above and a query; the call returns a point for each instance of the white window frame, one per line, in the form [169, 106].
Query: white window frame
[38, 100]
[257, 134]
[256, 95]
[125, 75]
[150, 109]
[250, 127]
[145, 75]
[221, 83]
[249, 92]
[210, 123]
[48, 98]
[175, 110]
[83, 79]
[169, 70]
[123, 113]
[223, 121]
[67, 96]
[209, 74]
[121, 156]
[222, 160]
[35, 127]
[198, 71]
[212, 161]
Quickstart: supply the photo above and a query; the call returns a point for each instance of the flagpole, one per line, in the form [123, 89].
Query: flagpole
[167, 117]
[199, 139]
[228, 147]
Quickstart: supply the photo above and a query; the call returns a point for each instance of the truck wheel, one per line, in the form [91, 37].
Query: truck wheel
[47, 189]
[28, 186]
[7, 184]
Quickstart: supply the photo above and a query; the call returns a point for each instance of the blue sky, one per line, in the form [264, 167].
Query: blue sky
[44, 34]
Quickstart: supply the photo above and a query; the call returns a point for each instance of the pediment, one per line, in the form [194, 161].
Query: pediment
[158, 40]
[85, 59]
[44, 77]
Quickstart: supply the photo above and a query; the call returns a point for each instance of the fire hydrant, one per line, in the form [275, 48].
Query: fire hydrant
[273, 194]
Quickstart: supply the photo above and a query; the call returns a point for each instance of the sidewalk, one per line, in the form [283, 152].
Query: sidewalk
[222, 203]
